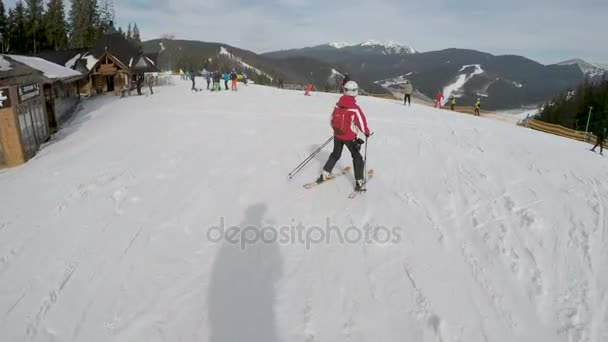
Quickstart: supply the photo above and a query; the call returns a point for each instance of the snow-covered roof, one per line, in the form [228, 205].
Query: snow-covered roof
[91, 61]
[49, 70]
[4, 64]
[70, 64]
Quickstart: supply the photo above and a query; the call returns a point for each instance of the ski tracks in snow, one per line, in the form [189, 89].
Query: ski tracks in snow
[423, 310]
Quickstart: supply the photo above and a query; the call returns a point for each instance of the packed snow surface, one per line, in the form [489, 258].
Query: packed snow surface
[482, 231]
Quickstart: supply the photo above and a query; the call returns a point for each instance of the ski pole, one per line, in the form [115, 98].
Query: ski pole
[365, 164]
[309, 158]
[303, 163]
[306, 161]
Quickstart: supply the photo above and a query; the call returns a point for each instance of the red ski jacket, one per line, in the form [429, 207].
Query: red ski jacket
[348, 118]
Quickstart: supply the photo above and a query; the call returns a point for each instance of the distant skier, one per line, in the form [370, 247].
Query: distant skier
[477, 106]
[309, 86]
[345, 80]
[601, 138]
[149, 82]
[439, 100]
[226, 79]
[452, 102]
[208, 79]
[244, 78]
[408, 89]
[193, 78]
[347, 115]
[216, 81]
[308, 89]
[280, 83]
[233, 78]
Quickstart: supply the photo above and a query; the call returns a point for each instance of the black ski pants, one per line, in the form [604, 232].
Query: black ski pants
[600, 143]
[353, 147]
[407, 99]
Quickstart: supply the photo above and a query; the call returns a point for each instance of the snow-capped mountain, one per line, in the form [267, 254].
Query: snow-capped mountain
[590, 69]
[374, 46]
[507, 81]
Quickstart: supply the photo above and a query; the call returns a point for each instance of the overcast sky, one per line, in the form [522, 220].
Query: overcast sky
[548, 31]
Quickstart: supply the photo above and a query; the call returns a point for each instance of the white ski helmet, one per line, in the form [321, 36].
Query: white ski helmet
[351, 88]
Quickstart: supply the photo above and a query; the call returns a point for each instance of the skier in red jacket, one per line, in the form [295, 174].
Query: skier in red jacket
[438, 99]
[346, 120]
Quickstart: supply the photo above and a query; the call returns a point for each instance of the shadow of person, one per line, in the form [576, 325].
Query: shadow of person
[241, 293]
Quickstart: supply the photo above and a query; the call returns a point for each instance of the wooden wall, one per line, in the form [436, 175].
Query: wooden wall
[10, 139]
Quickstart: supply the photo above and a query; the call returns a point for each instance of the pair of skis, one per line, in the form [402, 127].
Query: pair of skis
[346, 170]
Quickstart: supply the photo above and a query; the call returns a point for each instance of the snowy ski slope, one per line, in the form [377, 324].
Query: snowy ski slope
[495, 233]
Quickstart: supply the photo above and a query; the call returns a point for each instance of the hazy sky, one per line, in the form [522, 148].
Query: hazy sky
[548, 31]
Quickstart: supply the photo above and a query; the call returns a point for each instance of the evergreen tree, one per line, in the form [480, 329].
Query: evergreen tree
[35, 35]
[17, 29]
[129, 35]
[136, 36]
[4, 32]
[56, 25]
[571, 109]
[122, 33]
[106, 14]
[84, 23]
[76, 23]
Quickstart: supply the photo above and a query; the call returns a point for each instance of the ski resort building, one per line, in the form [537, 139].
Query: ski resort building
[35, 97]
[112, 64]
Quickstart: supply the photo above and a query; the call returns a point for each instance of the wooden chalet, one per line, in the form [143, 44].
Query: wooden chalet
[111, 65]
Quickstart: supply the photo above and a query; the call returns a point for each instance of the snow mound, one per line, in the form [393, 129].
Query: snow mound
[472, 229]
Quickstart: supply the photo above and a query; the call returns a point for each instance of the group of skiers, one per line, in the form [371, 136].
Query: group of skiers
[408, 90]
[452, 101]
[217, 77]
[348, 121]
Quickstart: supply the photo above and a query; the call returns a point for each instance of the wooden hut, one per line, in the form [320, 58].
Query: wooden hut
[28, 108]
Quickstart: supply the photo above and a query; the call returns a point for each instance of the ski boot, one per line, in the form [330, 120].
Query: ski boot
[359, 185]
[323, 177]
